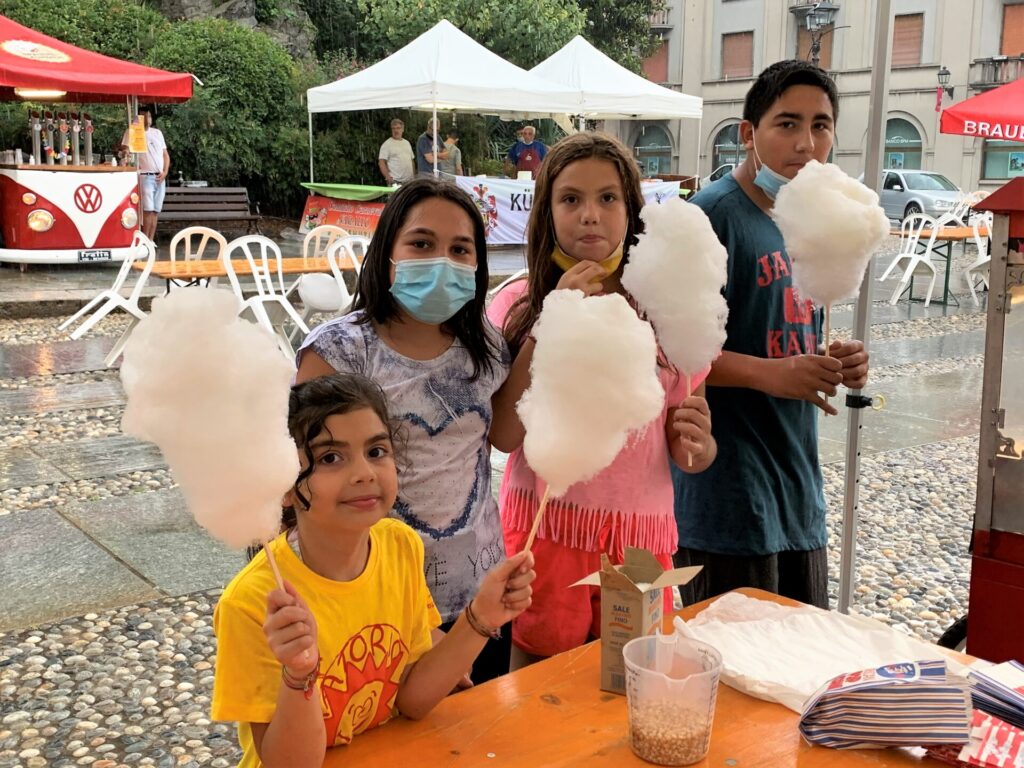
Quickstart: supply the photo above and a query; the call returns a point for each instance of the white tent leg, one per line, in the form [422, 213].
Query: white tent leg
[434, 118]
[310, 115]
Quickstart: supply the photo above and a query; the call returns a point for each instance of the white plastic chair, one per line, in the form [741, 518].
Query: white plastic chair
[319, 239]
[356, 247]
[270, 288]
[910, 233]
[186, 238]
[977, 273]
[326, 293]
[919, 263]
[107, 301]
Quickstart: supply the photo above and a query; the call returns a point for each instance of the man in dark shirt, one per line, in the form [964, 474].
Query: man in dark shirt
[425, 145]
[756, 517]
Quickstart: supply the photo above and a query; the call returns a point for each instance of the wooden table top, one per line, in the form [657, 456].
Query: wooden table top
[949, 233]
[554, 714]
[201, 268]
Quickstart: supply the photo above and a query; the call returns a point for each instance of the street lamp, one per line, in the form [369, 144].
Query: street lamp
[818, 20]
[944, 75]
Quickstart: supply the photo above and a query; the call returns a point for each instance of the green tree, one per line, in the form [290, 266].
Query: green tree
[523, 31]
[227, 132]
[622, 29]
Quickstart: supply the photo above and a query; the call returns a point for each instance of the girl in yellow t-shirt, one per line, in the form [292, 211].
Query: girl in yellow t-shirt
[346, 645]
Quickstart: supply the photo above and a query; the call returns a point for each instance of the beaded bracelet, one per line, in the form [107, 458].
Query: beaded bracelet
[305, 684]
[477, 625]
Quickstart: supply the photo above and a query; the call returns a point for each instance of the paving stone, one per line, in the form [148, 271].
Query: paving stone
[65, 397]
[51, 569]
[86, 354]
[163, 542]
[103, 456]
[20, 467]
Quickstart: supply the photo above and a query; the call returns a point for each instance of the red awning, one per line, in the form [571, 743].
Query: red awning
[29, 59]
[997, 114]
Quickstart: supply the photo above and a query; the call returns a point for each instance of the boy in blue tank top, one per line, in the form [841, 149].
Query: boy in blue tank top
[756, 517]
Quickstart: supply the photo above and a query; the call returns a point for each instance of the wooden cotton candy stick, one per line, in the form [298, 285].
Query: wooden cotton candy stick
[689, 391]
[536, 520]
[828, 333]
[273, 564]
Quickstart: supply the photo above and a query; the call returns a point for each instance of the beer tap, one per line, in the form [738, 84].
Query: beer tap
[62, 135]
[48, 137]
[76, 136]
[88, 137]
[37, 132]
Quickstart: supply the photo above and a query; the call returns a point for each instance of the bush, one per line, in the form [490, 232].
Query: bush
[230, 132]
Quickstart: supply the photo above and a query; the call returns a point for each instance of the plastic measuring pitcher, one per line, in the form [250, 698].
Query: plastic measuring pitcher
[671, 687]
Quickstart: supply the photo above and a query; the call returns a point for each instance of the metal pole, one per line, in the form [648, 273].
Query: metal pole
[434, 126]
[878, 102]
[696, 168]
[310, 115]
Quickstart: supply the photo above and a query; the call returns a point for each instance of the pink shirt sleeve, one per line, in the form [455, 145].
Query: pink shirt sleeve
[500, 304]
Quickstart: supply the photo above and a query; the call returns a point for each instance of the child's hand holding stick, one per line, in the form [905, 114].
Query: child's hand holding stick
[290, 630]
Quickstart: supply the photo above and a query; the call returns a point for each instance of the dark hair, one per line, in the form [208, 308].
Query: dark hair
[780, 76]
[453, 133]
[543, 273]
[310, 404]
[373, 294]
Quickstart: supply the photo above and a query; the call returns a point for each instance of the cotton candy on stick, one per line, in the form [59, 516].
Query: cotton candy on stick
[593, 381]
[676, 272]
[831, 225]
[211, 390]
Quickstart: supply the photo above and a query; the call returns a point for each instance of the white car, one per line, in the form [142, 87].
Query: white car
[715, 175]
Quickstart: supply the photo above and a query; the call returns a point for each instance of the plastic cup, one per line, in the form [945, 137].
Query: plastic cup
[671, 688]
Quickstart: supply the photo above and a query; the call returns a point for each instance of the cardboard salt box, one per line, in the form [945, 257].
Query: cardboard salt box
[631, 606]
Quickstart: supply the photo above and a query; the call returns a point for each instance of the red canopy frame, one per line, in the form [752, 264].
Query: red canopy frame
[30, 59]
[996, 114]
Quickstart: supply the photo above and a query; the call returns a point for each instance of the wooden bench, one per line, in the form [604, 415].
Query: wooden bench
[207, 205]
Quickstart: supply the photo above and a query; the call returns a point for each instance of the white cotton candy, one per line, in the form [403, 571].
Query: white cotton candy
[211, 390]
[831, 225]
[594, 381]
[676, 273]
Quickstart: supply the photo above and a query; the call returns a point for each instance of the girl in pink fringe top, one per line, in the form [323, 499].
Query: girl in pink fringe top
[585, 216]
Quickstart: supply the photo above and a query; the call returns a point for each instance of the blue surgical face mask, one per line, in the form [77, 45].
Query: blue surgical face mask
[767, 179]
[433, 290]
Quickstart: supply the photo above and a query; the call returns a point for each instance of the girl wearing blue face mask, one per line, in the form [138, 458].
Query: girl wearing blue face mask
[418, 330]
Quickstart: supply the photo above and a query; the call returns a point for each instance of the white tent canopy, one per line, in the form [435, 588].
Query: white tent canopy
[607, 91]
[444, 69]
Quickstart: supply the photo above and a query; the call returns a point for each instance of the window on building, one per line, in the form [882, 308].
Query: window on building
[902, 145]
[738, 54]
[653, 148]
[803, 45]
[727, 147]
[1013, 31]
[1002, 159]
[907, 36]
[656, 65]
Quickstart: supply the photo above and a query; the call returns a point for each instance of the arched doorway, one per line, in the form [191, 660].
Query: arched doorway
[902, 145]
[653, 148]
[727, 147]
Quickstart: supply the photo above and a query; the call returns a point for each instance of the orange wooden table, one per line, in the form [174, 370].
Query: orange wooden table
[196, 271]
[554, 714]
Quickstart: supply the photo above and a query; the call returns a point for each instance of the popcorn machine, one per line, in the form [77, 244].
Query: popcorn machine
[995, 630]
